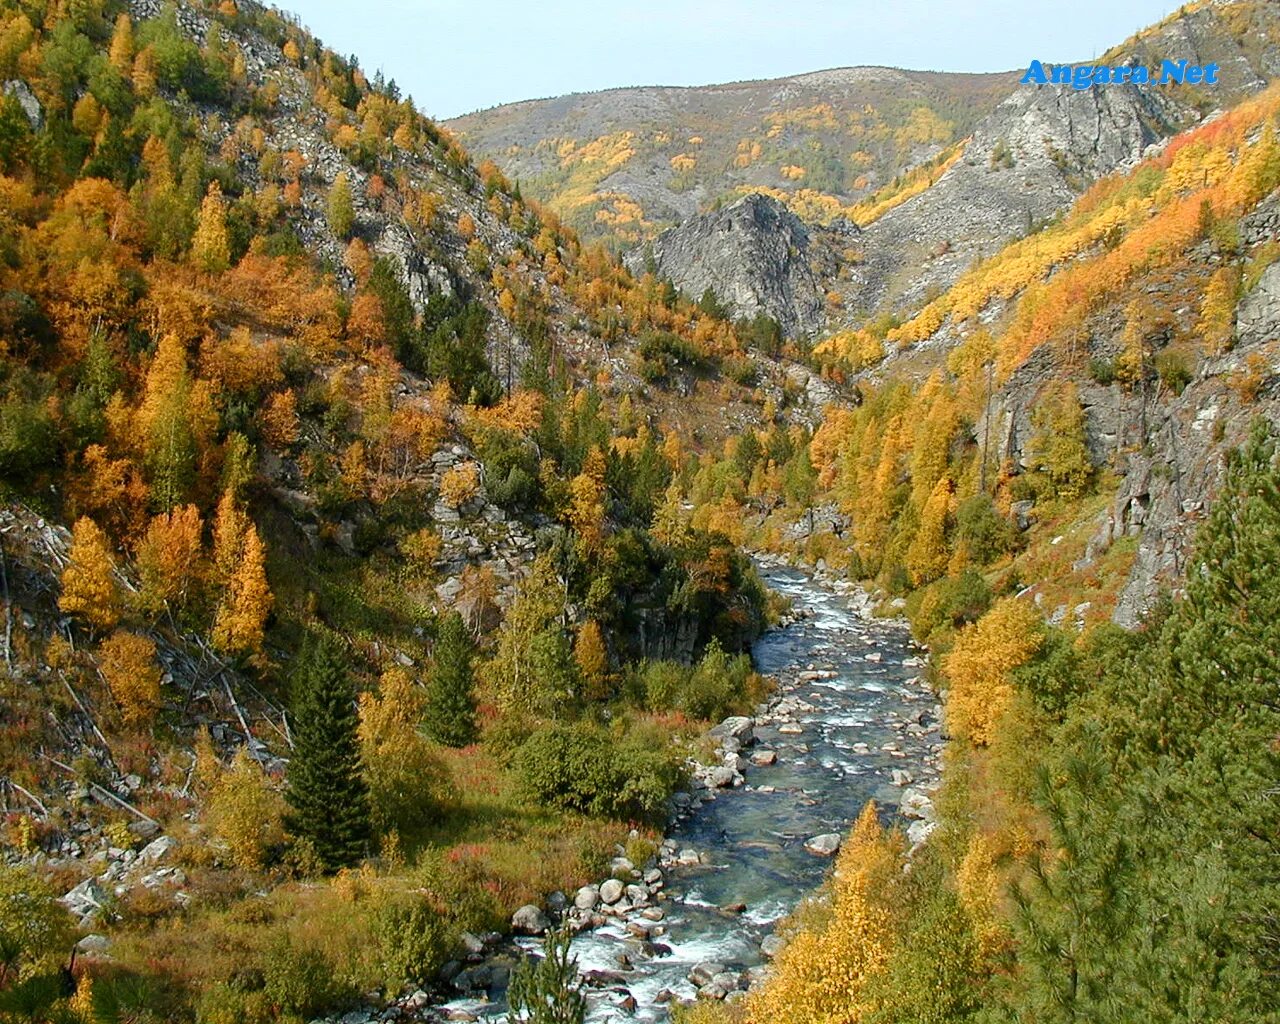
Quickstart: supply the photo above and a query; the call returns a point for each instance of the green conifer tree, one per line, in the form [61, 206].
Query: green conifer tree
[451, 706]
[327, 796]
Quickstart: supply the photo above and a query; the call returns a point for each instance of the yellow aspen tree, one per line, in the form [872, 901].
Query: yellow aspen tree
[400, 766]
[144, 73]
[927, 555]
[1218, 311]
[121, 52]
[280, 419]
[169, 558]
[211, 246]
[979, 664]
[978, 885]
[128, 664]
[936, 419]
[592, 659]
[238, 625]
[586, 500]
[821, 975]
[245, 813]
[88, 582]
[229, 526]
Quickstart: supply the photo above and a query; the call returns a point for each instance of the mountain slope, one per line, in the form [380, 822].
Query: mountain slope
[625, 162]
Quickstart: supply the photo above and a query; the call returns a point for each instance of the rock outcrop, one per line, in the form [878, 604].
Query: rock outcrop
[753, 254]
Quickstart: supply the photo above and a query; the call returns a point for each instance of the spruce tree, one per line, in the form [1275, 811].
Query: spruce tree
[328, 800]
[451, 706]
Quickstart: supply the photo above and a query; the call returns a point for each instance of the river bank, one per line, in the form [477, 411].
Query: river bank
[851, 720]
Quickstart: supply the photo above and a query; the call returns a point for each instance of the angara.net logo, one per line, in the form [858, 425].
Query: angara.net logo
[1085, 76]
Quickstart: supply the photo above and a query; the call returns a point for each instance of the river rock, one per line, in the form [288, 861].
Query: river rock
[771, 945]
[702, 973]
[637, 894]
[611, 891]
[688, 858]
[157, 850]
[901, 777]
[915, 805]
[721, 777]
[587, 897]
[826, 845]
[94, 944]
[764, 757]
[791, 729]
[85, 899]
[530, 920]
[653, 877]
[738, 727]
[919, 831]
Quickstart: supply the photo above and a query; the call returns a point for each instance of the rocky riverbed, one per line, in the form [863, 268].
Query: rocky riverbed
[851, 720]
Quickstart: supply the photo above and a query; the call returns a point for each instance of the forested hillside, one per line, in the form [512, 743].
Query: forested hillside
[343, 531]
[374, 550]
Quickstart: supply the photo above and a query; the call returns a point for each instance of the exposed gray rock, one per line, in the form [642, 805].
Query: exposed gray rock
[611, 891]
[753, 254]
[826, 845]
[530, 920]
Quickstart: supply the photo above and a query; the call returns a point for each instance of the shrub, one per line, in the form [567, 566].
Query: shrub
[985, 533]
[34, 930]
[586, 769]
[27, 437]
[298, 980]
[413, 942]
[717, 686]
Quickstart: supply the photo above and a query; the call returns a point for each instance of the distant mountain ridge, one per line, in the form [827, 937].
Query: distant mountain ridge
[623, 163]
[938, 169]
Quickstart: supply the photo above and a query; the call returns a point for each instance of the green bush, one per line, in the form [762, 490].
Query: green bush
[27, 439]
[948, 604]
[982, 529]
[298, 980]
[587, 769]
[716, 687]
[413, 941]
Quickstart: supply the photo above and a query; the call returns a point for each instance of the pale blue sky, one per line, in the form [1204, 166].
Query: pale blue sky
[455, 56]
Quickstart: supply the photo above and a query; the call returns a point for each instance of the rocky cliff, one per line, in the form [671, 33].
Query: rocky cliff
[754, 254]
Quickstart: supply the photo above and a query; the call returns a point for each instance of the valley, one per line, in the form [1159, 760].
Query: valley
[795, 551]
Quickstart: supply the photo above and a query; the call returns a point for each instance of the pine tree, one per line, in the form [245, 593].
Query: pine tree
[327, 796]
[549, 991]
[211, 246]
[88, 581]
[450, 715]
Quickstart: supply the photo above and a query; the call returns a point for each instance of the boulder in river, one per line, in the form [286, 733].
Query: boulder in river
[701, 973]
[611, 891]
[764, 757]
[530, 920]
[721, 777]
[587, 897]
[739, 727]
[771, 945]
[826, 845]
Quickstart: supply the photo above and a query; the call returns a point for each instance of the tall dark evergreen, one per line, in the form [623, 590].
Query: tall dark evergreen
[327, 796]
[451, 704]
